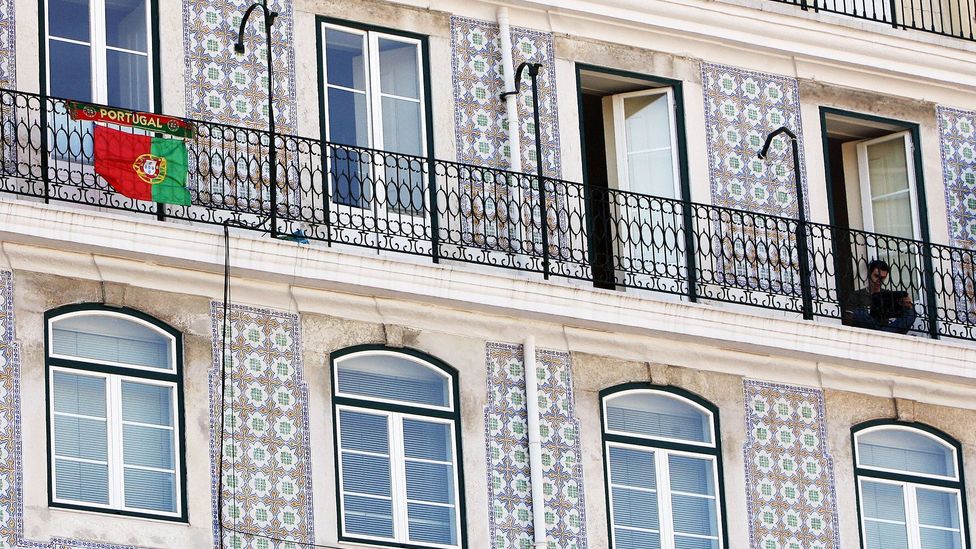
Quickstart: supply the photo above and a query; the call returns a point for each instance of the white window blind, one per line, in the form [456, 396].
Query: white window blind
[393, 378]
[112, 339]
[658, 416]
[904, 450]
[81, 438]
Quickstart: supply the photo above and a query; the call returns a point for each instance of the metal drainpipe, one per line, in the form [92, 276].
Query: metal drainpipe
[511, 101]
[535, 444]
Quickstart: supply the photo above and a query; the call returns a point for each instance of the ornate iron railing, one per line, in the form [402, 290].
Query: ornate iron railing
[343, 195]
[955, 18]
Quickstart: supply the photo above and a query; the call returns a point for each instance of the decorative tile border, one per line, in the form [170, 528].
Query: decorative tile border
[507, 447]
[224, 87]
[8, 46]
[267, 484]
[741, 108]
[789, 474]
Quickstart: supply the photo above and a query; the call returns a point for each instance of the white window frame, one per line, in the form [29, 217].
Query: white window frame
[914, 481]
[401, 356]
[620, 138]
[98, 49]
[374, 103]
[125, 317]
[661, 452]
[114, 423]
[398, 475]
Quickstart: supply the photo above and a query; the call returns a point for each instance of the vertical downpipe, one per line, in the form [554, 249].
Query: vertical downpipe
[511, 99]
[535, 444]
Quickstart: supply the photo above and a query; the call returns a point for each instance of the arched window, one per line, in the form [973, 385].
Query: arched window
[397, 435]
[115, 412]
[663, 468]
[909, 486]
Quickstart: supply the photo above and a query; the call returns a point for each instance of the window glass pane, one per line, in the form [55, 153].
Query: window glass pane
[70, 70]
[150, 490]
[148, 446]
[890, 195]
[659, 416]
[685, 542]
[350, 172]
[933, 538]
[144, 403]
[401, 126]
[399, 74]
[393, 378]
[368, 516]
[125, 24]
[128, 80]
[694, 515]
[364, 474]
[635, 539]
[936, 508]
[432, 482]
[905, 450]
[692, 475]
[427, 440]
[432, 524]
[79, 394]
[345, 59]
[111, 339]
[79, 481]
[885, 535]
[80, 438]
[883, 501]
[69, 19]
[635, 508]
[632, 467]
[347, 118]
[363, 432]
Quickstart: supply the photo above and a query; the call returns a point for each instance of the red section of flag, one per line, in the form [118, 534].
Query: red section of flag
[115, 153]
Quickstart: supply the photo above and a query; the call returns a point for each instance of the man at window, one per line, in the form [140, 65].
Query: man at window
[867, 307]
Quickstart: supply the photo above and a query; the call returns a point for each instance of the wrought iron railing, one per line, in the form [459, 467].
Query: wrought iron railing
[343, 195]
[955, 18]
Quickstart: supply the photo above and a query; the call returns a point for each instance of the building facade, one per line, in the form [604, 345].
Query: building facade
[573, 309]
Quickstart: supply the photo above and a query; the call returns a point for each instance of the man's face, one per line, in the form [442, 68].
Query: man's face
[877, 278]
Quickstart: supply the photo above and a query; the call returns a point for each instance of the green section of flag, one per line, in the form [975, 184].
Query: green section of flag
[172, 190]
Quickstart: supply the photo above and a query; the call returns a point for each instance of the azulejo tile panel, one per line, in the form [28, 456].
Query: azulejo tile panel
[957, 131]
[266, 482]
[741, 108]
[506, 431]
[789, 473]
[222, 86]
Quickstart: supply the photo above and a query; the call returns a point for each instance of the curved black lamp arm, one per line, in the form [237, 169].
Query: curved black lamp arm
[534, 69]
[769, 140]
[269, 19]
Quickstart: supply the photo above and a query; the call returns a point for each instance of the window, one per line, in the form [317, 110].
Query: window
[374, 97]
[909, 485]
[662, 466]
[115, 412]
[397, 431]
[98, 51]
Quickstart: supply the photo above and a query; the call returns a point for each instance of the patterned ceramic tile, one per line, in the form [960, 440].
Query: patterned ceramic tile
[957, 129]
[267, 484]
[481, 123]
[510, 519]
[741, 108]
[224, 87]
[8, 49]
[789, 474]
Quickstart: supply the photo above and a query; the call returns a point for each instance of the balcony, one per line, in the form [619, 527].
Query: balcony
[953, 18]
[346, 196]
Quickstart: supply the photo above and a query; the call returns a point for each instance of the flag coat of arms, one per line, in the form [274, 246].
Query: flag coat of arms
[141, 166]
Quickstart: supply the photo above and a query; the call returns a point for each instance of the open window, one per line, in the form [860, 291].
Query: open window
[875, 202]
[631, 165]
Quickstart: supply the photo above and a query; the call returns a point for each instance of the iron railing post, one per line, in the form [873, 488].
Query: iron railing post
[928, 278]
[435, 223]
[45, 104]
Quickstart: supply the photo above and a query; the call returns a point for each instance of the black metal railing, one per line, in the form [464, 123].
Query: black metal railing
[953, 18]
[343, 195]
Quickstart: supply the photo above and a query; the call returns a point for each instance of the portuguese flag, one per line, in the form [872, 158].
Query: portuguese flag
[141, 166]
